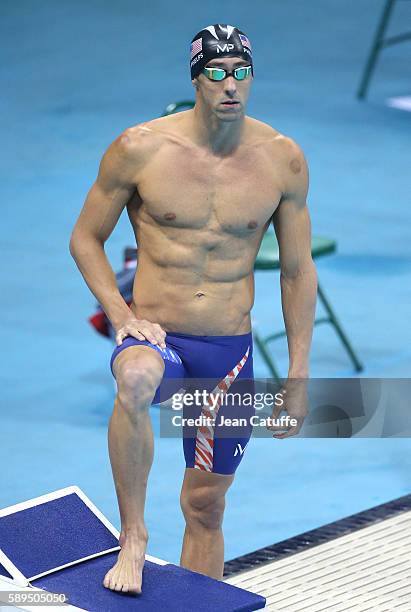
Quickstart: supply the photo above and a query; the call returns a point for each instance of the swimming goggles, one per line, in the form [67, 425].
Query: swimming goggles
[219, 74]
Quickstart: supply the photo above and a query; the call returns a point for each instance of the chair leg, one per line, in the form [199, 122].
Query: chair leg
[261, 342]
[335, 323]
[262, 347]
[375, 49]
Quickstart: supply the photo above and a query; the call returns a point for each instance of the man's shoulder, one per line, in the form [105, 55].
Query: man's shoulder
[285, 154]
[143, 138]
[277, 143]
[135, 140]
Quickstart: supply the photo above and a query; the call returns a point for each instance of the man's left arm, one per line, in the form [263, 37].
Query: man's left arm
[298, 277]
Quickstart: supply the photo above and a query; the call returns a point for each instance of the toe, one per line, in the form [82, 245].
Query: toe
[106, 581]
[112, 584]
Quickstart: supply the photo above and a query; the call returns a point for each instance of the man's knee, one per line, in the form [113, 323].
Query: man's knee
[137, 379]
[203, 507]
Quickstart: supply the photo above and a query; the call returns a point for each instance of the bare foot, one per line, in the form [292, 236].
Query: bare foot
[126, 574]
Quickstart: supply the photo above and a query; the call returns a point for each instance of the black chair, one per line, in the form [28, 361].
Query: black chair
[380, 42]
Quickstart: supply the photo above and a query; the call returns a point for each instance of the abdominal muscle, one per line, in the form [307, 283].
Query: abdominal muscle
[182, 302]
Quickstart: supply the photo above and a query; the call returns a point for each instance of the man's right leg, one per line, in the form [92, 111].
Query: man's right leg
[138, 371]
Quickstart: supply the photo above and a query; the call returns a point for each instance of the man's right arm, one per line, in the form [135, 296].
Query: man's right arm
[105, 201]
[113, 188]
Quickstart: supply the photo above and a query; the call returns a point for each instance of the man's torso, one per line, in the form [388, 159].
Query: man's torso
[199, 220]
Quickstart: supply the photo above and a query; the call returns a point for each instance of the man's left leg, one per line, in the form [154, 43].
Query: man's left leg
[202, 502]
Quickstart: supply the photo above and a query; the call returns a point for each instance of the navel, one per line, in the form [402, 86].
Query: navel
[200, 294]
[169, 216]
[295, 166]
[252, 224]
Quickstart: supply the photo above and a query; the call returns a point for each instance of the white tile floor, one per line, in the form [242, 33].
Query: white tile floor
[368, 570]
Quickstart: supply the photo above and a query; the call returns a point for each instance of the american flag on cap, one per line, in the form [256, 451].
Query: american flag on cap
[245, 41]
[196, 47]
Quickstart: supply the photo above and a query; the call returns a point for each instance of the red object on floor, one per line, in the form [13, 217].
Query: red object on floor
[100, 323]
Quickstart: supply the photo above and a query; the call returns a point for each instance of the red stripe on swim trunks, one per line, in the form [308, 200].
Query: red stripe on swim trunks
[202, 461]
[196, 47]
[202, 468]
[204, 429]
[205, 433]
[205, 454]
[206, 412]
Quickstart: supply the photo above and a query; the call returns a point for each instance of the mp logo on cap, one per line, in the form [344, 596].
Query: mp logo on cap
[225, 48]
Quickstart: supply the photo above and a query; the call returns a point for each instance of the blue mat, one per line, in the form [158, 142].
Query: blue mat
[53, 532]
[165, 587]
[65, 530]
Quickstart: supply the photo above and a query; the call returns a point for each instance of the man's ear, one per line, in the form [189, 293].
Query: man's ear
[195, 83]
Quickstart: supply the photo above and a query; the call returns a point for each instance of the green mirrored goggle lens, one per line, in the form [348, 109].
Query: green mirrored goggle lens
[215, 74]
[242, 73]
[219, 74]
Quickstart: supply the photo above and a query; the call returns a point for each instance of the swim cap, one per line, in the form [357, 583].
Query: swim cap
[219, 40]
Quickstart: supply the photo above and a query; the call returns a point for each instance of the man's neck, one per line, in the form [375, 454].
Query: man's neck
[221, 137]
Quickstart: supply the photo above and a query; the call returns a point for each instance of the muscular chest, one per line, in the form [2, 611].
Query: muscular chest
[235, 195]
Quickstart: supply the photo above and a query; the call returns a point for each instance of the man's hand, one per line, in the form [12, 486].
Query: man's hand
[141, 330]
[295, 405]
